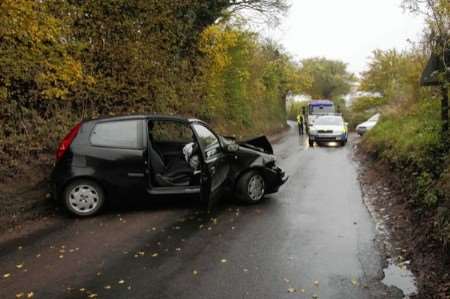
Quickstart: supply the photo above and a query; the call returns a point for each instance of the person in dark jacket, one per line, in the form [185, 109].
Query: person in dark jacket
[300, 122]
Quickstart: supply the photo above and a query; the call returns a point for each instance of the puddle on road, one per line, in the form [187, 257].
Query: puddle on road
[396, 274]
[401, 277]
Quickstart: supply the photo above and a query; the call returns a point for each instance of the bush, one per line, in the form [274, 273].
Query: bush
[411, 143]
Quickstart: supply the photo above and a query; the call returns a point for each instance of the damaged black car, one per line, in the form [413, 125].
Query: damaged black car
[152, 155]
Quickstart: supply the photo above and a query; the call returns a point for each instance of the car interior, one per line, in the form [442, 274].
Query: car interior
[170, 165]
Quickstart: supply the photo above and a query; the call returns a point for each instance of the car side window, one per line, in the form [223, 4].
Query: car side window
[171, 131]
[121, 134]
[208, 141]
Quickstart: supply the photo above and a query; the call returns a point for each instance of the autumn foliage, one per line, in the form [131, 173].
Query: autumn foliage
[64, 61]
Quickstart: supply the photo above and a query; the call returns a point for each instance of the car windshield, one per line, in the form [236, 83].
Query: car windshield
[329, 121]
[321, 109]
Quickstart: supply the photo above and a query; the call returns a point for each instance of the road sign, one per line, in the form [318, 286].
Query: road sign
[433, 68]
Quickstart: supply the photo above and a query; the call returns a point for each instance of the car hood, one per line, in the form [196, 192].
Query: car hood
[260, 144]
[327, 127]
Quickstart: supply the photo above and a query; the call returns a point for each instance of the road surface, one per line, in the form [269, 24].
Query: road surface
[313, 239]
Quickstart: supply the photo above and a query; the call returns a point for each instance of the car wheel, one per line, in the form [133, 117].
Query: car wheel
[311, 143]
[83, 198]
[251, 187]
[343, 143]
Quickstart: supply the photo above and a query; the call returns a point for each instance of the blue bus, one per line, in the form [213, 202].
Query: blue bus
[316, 108]
[320, 107]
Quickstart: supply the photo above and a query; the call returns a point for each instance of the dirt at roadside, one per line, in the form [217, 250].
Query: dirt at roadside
[410, 234]
[24, 198]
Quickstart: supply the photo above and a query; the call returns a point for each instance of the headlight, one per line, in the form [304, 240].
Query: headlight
[271, 162]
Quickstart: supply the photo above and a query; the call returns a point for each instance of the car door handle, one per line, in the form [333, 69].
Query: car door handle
[212, 170]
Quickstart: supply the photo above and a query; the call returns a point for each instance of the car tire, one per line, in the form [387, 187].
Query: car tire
[83, 198]
[311, 143]
[250, 188]
[343, 143]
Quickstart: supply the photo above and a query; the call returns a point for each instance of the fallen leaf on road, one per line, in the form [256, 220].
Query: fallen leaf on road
[6, 275]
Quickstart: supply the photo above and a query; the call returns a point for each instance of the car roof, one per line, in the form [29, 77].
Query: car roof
[146, 116]
[321, 102]
[330, 116]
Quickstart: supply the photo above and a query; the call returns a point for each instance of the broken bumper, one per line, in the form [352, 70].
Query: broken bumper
[275, 178]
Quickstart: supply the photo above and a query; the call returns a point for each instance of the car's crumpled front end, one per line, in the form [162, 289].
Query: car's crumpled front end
[257, 153]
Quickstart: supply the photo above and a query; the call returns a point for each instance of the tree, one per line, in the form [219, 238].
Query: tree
[211, 10]
[394, 74]
[437, 38]
[330, 78]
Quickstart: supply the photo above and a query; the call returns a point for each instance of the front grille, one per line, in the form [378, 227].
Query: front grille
[325, 131]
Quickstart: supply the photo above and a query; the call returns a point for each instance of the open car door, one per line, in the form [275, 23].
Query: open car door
[215, 168]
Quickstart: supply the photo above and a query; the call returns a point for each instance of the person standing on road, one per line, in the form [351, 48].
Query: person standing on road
[300, 124]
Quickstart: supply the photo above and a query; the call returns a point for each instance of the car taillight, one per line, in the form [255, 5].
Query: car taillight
[67, 141]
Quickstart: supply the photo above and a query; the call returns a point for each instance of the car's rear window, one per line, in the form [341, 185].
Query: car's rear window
[122, 134]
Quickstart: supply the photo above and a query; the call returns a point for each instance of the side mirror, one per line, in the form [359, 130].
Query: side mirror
[232, 147]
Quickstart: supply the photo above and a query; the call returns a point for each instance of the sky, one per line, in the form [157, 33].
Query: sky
[348, 30]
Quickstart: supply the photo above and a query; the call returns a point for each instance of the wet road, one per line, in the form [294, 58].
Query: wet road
[314, 239]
